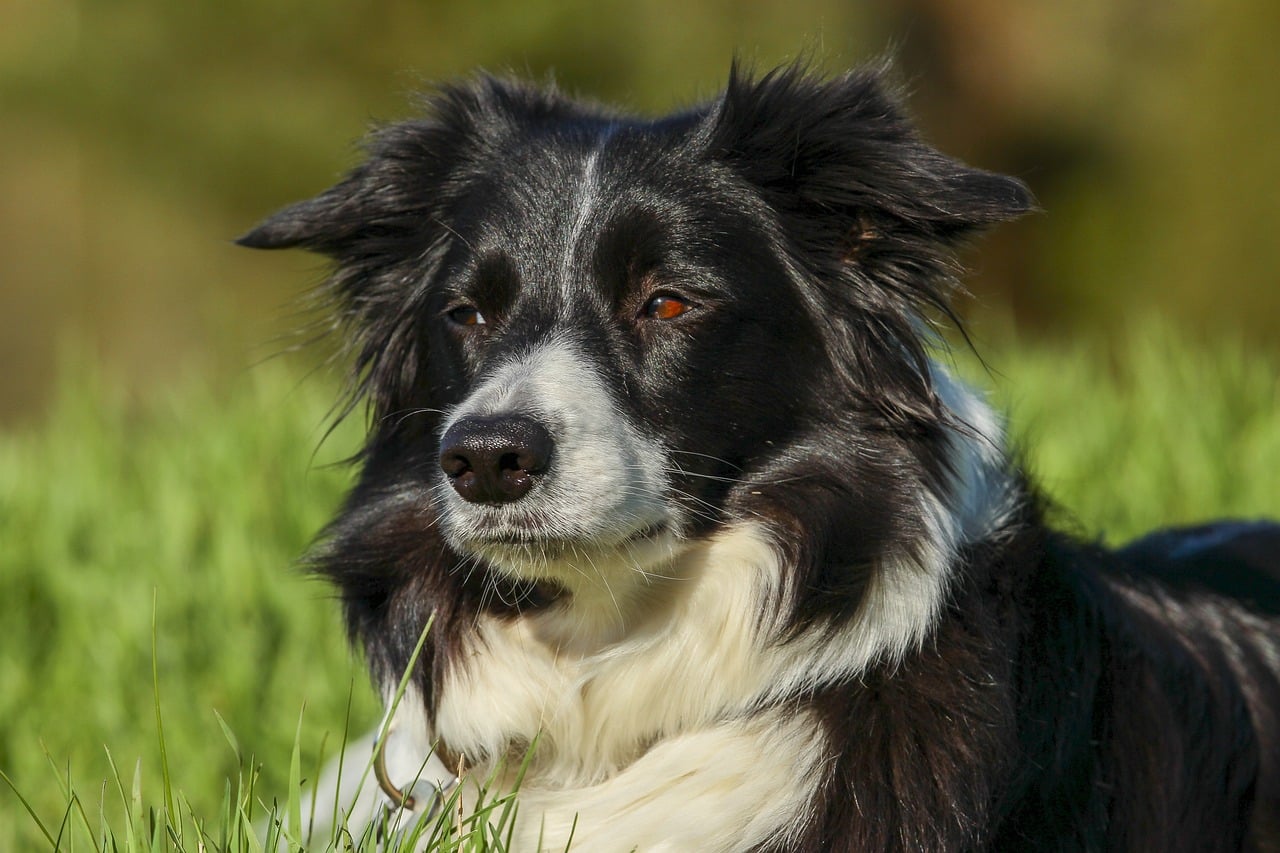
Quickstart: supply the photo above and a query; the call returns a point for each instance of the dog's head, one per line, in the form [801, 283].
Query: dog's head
[586, 338]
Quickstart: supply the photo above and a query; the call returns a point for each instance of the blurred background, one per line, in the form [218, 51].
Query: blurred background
[138, 137]
[157, 480]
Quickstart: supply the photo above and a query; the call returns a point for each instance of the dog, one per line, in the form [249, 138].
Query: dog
[708, 538]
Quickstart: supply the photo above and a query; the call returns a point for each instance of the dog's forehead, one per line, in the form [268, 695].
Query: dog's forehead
[549, 204]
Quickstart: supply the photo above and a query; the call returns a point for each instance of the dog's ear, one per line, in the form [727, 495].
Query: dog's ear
[396, 194]
[390, 224]
[386, 227]
[869, 208]
[413, 171]
[843, 151]
[322, 224]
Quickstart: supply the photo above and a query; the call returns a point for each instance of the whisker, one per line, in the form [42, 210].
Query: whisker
[708, 456]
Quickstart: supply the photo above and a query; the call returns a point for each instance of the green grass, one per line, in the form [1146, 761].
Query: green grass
[1154, 432]
[200, 501]
[183, 514]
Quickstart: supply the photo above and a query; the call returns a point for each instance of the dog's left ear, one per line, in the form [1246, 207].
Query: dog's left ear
[842, 155]
[868, 206]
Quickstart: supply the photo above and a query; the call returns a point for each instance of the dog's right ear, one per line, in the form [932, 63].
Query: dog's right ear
[395, 198]
[324, 224]
[413, 174]
[402, 191]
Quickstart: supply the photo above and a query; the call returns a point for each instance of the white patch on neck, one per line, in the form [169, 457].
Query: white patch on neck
[904, 600]
[983, 493]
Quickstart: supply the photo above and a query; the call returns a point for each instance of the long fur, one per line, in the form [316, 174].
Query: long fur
[779, 586]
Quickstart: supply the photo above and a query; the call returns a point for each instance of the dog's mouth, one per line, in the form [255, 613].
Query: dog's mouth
[531, 537]
[530, 552]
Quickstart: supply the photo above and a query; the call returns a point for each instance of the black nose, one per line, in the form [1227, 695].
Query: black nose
[494, 460]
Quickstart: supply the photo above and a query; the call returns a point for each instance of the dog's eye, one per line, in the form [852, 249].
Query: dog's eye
[466, 315]
[666, 307]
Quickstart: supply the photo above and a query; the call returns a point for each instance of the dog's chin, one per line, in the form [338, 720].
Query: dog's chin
[530, 554]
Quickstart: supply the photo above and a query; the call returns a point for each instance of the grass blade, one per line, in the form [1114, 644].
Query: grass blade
[155, 687]
[399, 694]
[293, 815]
[44, 830]
[229, 735]
[125, 801]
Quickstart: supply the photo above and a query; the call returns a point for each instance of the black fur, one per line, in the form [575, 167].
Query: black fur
[1068, 698]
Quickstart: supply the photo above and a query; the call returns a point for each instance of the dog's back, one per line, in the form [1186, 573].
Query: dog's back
[1152, 697]
[1226, 575]
[1236, 559]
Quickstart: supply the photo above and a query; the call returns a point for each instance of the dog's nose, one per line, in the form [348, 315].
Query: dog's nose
[494, 460]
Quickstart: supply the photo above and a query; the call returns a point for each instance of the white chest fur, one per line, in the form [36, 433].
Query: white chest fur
[694, 654]
[666, 740]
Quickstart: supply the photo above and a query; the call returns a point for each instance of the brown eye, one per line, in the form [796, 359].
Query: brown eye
[666, 307]
[466, 315]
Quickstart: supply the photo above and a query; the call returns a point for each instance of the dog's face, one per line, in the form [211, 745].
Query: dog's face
[588, 338]
[601, 355]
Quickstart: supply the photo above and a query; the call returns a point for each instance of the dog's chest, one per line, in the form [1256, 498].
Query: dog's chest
[703, 656]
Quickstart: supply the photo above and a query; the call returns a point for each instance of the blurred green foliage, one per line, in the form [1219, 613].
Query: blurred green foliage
[139, 136]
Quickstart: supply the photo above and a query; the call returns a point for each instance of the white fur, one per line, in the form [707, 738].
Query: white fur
[586, 198]
[697, 651]
[983, 494]
[407, 748]
[722, 788]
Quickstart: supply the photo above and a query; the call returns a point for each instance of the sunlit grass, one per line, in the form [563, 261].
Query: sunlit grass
[184, 513]
[1156, 432]
[199, 501]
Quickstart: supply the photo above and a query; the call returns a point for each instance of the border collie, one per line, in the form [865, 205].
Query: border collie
[658, 441]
